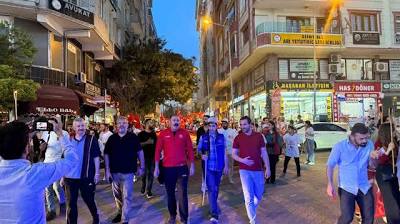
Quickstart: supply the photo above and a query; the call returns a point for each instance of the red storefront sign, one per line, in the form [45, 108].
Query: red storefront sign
[358, 87]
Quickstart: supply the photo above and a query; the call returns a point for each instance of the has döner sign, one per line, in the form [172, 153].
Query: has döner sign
[363, 87]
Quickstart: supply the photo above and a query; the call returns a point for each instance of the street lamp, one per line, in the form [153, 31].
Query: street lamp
[206, 21]
[15, 103]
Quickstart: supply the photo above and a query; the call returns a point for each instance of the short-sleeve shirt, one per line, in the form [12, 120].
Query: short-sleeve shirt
[292, 145]
[250, 145]
[123, 153]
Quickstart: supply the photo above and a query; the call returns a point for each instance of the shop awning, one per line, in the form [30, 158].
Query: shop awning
[54, 100]
[87, 102]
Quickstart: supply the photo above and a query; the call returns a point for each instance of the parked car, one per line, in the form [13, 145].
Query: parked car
[326, 134]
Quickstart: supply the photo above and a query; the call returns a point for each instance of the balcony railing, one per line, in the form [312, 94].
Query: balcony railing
[45, 75]
[283, 27]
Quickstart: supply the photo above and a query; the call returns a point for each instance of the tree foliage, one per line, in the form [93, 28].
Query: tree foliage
[16, 53]
[149, 75]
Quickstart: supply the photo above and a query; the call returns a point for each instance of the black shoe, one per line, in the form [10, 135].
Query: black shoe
[51, 215]
[96, 220]
[149, 195]
[62, 209]
[117, 218]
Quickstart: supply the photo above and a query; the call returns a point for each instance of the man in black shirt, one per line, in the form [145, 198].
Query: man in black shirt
[120, 155]
[203, 129]
[148, 140]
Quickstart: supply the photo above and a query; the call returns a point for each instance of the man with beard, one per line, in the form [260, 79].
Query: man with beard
[120, 156]
[249, 150]
[352, 157]
[229, 135]
[84, 177]
[148, 140]
[177, 148]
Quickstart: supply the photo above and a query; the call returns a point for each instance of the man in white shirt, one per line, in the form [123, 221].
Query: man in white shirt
[105, 133]
[229, 135]
[22, 184]
[53, 153]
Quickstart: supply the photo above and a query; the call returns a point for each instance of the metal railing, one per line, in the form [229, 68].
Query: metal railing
[44, 75]
[283, 27]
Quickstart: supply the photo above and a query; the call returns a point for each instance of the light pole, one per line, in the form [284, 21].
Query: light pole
[15, 104]
[207, 21]
[315, 68]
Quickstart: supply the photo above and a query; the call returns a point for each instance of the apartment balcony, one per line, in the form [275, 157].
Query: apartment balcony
[45, 76]
[287, 4]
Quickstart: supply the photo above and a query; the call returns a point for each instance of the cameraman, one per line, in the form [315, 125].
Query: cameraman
[22, 184]
[53, 151]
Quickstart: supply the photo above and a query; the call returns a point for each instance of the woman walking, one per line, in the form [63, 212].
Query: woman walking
[291, 141]
[386, 179]
[274, 143]
[309, 143]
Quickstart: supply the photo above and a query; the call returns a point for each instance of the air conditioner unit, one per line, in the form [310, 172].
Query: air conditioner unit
[80, 77]
[335, 69]
[335, 58]
[381, 67]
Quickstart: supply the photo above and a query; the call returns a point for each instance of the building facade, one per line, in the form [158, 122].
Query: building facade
[276, 47]
[76, 41]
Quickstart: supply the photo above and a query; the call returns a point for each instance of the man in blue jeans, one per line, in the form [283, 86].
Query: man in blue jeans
[212, 147]
[249, 150]
[352, 157]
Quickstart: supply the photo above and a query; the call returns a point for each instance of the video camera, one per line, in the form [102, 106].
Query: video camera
[43, 124]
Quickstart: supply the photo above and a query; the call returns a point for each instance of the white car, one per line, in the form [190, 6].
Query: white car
[326, 134]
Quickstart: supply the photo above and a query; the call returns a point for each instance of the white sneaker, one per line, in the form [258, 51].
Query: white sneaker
[214, 220]
[311, 163]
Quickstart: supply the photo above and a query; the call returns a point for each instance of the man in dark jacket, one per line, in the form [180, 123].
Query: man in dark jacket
[84, 177]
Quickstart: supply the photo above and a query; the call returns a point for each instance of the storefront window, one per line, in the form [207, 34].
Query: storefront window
[302, 103]
[355, 108]
[56, 52]
[258, 104]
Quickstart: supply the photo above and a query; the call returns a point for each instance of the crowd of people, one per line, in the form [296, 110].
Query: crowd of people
[66, 163]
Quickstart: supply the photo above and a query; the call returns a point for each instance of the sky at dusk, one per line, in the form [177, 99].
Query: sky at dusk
[175, 22]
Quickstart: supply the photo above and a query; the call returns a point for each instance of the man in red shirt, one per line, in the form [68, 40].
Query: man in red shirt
[249, 150]
[177, 148]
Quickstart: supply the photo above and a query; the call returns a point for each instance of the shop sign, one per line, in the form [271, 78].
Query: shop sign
[257, 90]
[238, 99]
[302, 68]
[72, 10]
[358, 87]
[302, 85]
[306, 39]
[92, 90]
[54, 110]
[366, 38]
[361, 95]
[391, 86]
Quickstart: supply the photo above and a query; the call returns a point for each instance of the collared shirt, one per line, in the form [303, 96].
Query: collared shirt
[54, 148]
[79, 145]
[123, 153]
[353, 165]
[229, 135]
[177, 148]
[22, 186]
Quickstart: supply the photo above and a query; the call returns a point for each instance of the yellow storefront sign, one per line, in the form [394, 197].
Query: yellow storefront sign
[306, 39]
